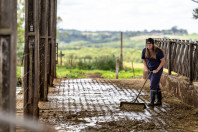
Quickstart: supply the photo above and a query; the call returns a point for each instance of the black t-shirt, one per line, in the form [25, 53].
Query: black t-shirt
[153, 63]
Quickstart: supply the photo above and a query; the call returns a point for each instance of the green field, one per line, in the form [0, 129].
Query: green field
[132, 48]
[62, 72]
[88, 53]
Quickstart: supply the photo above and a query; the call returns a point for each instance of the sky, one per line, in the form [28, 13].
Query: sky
[127, 15]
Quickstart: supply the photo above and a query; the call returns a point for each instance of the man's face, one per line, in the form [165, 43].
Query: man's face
[149, 46]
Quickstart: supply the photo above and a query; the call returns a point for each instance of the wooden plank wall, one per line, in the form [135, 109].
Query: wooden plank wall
[181, 56]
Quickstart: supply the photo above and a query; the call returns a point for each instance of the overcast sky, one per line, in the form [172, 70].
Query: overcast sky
[123, 15]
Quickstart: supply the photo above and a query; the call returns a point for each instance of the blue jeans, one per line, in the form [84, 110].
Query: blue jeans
[154, 86]
[155, 79]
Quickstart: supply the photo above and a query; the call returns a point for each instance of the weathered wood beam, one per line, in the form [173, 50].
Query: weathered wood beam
[44, 12]
[31, 58]
[8, 28]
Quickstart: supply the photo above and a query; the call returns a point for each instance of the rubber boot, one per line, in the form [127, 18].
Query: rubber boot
[152, 98]
[159, 99]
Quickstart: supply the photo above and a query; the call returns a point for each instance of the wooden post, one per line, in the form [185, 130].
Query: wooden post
[55, 28]
[52, 41]
[31, 59]
[169, 57]
[43, 49]
[61, 58]
[8, 33]
[22, 77]
[121, 56]
[191, 62]
[133, 70]
[56, 53]
[117, 68]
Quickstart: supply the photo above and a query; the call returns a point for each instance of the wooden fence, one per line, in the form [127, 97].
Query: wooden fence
[181, 57]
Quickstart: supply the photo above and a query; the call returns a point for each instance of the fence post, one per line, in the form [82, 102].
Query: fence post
[191, 63]
[121, 53]
[133, 70]
[117, 68]
[169, 57]
[56, 53]
[61, 57]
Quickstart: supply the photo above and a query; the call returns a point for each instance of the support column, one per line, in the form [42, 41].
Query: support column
[8, 28]
[51, 41]
[31, 59]
[43, 46]
[55, 28]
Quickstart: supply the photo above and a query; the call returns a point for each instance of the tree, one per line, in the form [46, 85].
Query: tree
[20, 21]
[20, 27]
[195, 11]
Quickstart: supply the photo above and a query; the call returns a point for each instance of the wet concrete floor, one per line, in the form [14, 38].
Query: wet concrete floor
[80, 104]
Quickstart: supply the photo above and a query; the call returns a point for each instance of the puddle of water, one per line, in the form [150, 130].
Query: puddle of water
[18, 89]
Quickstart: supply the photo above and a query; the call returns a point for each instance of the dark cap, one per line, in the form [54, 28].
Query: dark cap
[150, 40]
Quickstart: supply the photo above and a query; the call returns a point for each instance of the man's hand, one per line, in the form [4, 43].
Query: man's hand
[155, 71]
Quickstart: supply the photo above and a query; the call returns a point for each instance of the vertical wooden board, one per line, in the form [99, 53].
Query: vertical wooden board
[179, 58]
[196, 62]
[182, 59]
[159, 44]
[1, 71]
[173, 55]
[191, 63]
[167, 54]
[186, 60]
[169, 57]
[42, 67]
[176, 57]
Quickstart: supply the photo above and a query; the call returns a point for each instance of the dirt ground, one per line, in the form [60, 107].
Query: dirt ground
[90, 105]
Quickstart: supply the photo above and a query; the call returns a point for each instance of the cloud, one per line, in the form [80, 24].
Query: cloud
[127, 14]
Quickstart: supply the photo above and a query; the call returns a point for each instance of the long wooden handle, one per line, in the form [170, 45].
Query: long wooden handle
[142, 87]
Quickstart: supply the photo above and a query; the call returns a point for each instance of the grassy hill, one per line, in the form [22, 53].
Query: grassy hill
[132, 47]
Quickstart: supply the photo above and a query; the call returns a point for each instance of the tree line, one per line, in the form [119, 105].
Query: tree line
[68, 36]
